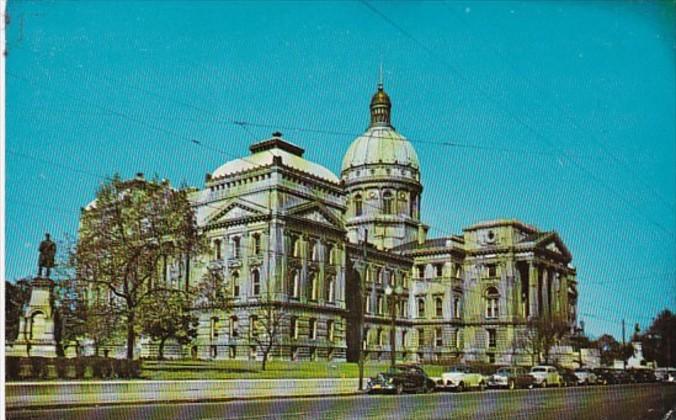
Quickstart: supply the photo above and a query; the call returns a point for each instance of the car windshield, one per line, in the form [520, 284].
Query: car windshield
[396, 369]
[456, 369]
[539, 369]
[503, 371]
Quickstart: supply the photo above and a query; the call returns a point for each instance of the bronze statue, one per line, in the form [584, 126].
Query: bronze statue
[47, 253]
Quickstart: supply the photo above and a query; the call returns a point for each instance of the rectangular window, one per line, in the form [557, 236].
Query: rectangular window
[403, 338]
[454, 338]
[253, 327]
[293, 330]
[313, 329]
[421, 337]
[381, 309]
[329, 330]
[492, 270]
[439, 270]
[439, 307]
[457, 310]
[233, 327]
[236, 251]
[257, 244]
[491, 337]
[421, 271]
[438, 337]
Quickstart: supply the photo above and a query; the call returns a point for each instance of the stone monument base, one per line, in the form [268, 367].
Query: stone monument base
[34, 349]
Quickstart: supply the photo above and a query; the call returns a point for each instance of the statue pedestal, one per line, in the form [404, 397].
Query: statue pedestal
[36, 326]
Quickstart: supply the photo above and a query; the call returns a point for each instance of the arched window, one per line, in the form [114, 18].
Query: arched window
[255, 282]
[388, 202]
[367, 304]
[439, 307]
[421, 308]
[236, 248]
[294, 284]
[217, 249]
[235, 284]
[330, 289]
[313, 286]
[492, 297]
[381, 309]
[294, 246]
[256, 238]
[358, 209]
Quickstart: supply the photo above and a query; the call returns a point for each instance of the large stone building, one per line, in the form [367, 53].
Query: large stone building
[288, 234]
[313, 256]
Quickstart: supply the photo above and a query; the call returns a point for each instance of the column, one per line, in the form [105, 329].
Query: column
[532, 289]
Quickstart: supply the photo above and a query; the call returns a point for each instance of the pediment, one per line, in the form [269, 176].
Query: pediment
[554, 244]
[235, 210]
[315, 212]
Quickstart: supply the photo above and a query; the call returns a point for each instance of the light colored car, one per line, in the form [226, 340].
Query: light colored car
[585, 376]
[461, 378]
[546, 376]
[665, 374]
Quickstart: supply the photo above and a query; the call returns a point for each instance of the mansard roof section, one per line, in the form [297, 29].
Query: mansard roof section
[450, 244]
[273, 152]
[316, 212]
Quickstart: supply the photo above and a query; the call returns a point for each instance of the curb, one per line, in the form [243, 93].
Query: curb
[179, 401]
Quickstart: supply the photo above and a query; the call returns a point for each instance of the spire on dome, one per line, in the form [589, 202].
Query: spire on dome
[380, 105]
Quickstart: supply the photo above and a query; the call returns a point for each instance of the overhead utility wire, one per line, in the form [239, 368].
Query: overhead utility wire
[442, 60]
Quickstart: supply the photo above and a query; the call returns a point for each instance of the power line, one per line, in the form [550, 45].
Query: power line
[561, 111]
[515, 117]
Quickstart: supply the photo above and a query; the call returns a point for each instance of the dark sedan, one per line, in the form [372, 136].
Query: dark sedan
[401, 378]
[568, 377]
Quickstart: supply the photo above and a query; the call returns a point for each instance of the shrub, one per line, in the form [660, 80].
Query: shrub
[61, 364]
[80, 364]
[38, 367]
[12, 368]
[135, 369]
[98, 367]
[120, 367]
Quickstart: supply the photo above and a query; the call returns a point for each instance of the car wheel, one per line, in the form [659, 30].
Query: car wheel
[461, 387]
[530, 386]
[511, 385]
[400, 388]
[482, 386]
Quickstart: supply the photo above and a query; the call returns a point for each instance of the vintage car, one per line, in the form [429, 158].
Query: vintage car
[461, 378]
[401, 378]
[640, 376]
[608, 376]
[546, 376]
[568, 377]
[511, 377]
[585, 376]
[665, 375]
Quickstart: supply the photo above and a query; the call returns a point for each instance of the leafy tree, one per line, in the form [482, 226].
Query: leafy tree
[612, 350]
[125, 238]
[659, 341]
[267, 329]
[210, 292]
[541, 335]
[166, 315]
[17, 295]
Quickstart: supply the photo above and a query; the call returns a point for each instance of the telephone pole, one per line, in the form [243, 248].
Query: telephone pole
[623, 346]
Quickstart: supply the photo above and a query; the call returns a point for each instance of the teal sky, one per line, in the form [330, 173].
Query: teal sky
[565, 114]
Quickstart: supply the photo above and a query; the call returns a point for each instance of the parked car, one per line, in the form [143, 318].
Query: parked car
[665, 375]
[608, 376]
[640, 376]
[546, 376]
[461, 378]
[585, 376]
[511, 377]
[568, 377]
[401, 378]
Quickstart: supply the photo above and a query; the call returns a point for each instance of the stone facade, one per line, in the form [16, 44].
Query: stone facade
[289, 237]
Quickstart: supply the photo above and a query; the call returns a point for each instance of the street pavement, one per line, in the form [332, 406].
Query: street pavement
[643, 401]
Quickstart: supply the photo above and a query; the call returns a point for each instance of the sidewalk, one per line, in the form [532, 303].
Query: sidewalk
[83, 393]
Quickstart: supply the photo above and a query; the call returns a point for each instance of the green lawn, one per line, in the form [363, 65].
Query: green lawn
[237, 369]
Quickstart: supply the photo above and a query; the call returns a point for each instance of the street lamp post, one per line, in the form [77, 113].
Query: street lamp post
[393, 293]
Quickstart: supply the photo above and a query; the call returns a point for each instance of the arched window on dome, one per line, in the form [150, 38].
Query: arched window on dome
[358, 205]
[388, 201]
